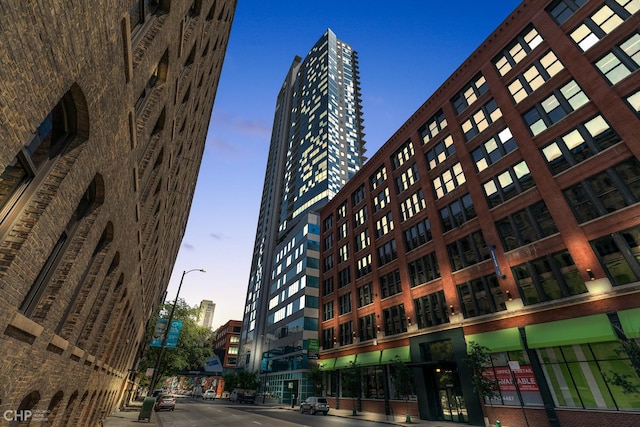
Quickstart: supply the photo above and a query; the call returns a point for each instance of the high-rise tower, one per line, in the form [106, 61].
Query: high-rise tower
[316, 146]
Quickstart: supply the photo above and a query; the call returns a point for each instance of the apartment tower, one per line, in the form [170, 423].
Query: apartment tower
[104, 115]
[316, 147]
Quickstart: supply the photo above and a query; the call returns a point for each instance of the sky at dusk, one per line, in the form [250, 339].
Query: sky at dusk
[406, 50]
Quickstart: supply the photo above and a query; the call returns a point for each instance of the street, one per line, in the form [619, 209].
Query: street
[191, 412]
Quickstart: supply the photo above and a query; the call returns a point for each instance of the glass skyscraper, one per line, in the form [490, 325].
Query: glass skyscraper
[316, 146]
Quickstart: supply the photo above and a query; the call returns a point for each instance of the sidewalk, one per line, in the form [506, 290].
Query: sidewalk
[130, 415]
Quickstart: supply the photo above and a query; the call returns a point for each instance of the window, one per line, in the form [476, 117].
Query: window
[423, 270]
[365, 295]
[412, 205]
[432, 127]
[402, 154]
[367, 327]
[384, 225]
[535, 76]
[381, 200]
[328, 311]
[526, 226]
[387, 252]
[598, 25]
[363, 266]
[157, 78]
[328, 338]
[360, 217]
[407, 178]
[449, 180]
[342, 210]
[583, 142]
[328, 242]
[395, 321]
[548, 278]
[517, 50]
[328, 263]
[343, 253]
[431, 310]
[440, 152]
[508, 184]
[390, 284]
[345, 333]
[481, 296]
[623, 60]
[378, 177]
[344, 277]
[328, 286]
[33, 163]
[343, 230]
[634, 102]
[141, 12]
[344, 304]
[362, 240]
[358, 195]
[481, 119]
[469, 250]
[619, 254]
[417, 235]
[457, 213]
[605, 192]
[328, 223]
[561, 10]
[470, 93]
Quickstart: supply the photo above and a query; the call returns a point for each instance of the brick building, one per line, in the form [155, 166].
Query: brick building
[104, 114]
[503, 212]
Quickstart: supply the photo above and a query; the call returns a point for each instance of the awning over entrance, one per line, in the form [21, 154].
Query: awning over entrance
[630, 320]
[327, 364]
[578, 330]
[343, 361]
[368, 359]
[495, 341]
[389, 354]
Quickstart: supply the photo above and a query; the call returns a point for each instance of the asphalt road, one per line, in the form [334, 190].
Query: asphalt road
[196, 412]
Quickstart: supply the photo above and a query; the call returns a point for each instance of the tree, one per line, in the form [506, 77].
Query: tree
[351, 382]
[190, 352]
[248, 380]
[316, 376]
[631, 349]
[479, 360]
[402, 382]
[230, 382]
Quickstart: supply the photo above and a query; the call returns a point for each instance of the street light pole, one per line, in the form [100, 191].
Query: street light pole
[156, 371]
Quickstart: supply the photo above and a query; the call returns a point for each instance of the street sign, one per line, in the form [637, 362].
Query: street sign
[313, 344]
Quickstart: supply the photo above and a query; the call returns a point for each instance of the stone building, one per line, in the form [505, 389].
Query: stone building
[104, 111]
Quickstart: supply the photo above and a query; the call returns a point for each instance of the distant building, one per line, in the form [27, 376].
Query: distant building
[205, 313]
[505, 212]
[104, 112]
[227, 339]
[316, 146]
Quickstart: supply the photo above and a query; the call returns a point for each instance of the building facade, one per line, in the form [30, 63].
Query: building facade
[103, 131]
[504, 213]
[205, 313]
[316, 146]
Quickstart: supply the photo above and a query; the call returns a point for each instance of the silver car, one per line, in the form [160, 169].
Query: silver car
[313, 405]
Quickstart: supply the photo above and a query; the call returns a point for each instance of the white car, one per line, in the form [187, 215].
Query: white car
[209, 394]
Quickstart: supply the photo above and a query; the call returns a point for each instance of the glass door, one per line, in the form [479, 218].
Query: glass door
[450, 401]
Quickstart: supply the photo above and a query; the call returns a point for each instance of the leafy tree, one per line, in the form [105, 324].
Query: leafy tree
[631, 349]
[248, 380]
[402, 382]
[316, 376]
[190, 352]
[351, 382]
[230, 382]
[479, 360]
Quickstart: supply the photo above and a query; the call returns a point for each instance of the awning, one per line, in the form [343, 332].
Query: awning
[495, 341]
[389, 354]
[579, 330]
[327, 364]
[630, 320]
[343, 361]
[369, 358]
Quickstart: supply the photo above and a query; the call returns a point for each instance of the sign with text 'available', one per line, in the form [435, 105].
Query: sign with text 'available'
[172, 336]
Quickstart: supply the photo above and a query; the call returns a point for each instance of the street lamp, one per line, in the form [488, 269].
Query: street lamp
[154, 379]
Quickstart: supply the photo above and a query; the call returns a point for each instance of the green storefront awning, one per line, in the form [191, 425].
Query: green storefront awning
[389, 354]
[579, 330]
[495, 341]
[327, 364]
[630, 320]
[343, 361]
[369, 358]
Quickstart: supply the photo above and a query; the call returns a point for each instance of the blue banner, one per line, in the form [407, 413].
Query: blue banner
[172, 337]
[174, 333]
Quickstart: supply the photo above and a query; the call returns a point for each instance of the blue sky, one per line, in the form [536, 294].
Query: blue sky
[406, 50]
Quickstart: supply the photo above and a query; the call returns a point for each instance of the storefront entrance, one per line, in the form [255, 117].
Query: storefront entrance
[450, 403]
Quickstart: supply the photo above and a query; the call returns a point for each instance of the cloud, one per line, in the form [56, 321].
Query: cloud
[238, 124]
[216, 236]
[188, 246]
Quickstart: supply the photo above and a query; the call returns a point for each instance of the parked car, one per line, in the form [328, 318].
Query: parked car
[209, 395]
[165, 402]
[242, 395]
[314, 404]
